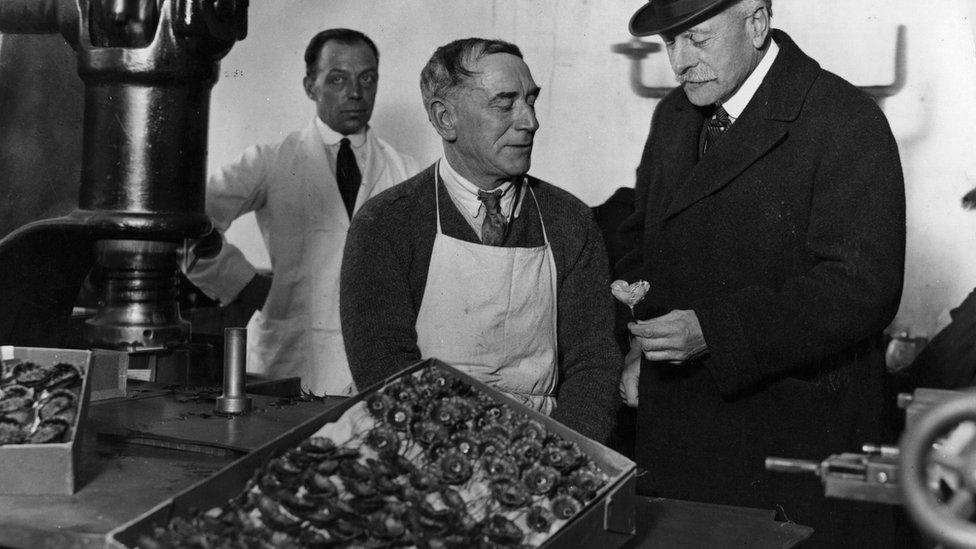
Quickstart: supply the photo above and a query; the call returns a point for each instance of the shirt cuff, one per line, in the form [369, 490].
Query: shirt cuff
[223, 277]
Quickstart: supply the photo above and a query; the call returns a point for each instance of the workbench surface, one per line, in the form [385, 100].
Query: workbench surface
[138, 452]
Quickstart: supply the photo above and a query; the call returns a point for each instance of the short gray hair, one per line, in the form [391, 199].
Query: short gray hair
[447, 67]
[747, 7]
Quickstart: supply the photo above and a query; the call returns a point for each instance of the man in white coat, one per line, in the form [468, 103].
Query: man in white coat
[304, 191]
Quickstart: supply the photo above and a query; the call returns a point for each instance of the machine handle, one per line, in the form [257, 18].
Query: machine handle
[785, 465]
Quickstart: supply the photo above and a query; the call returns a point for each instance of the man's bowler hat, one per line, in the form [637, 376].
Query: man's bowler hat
[657, 16]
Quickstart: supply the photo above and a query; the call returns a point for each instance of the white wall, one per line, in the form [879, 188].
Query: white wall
[594, 126]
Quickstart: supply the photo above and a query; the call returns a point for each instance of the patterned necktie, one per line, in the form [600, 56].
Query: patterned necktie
[347, 175]
[495, 225]
[712, 129]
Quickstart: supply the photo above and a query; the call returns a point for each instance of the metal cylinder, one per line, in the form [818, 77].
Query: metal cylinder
[234, 400]
[785, 465]
[137, 302]
[148, 68]
[147, 110]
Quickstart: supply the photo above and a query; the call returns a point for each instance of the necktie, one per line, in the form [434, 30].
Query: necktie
[347, 175]
[495, 225]
[712, 129]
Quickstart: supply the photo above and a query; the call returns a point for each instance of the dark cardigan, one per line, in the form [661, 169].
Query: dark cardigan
[384, 273]
[787, 240]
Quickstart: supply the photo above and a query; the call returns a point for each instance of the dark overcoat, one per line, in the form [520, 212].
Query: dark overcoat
[787, 240]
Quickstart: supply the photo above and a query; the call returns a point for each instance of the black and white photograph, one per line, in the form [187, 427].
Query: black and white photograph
[457, 274]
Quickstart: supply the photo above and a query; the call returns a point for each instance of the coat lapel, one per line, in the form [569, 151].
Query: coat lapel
[745, 142]
[764, 123]
[316, 175]
[375, 166]
[682, 154]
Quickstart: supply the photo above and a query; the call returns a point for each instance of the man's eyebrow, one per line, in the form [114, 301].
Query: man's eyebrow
[340, 70]
[504, 96]
[698, 30]
[692, 30]
[510, 95]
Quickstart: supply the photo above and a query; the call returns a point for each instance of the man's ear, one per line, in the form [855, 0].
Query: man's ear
[759, 27]
[309, 84]
[443, 116]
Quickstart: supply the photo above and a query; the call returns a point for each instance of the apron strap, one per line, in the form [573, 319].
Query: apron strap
[554, 284]
[545, 236]
[437, 199]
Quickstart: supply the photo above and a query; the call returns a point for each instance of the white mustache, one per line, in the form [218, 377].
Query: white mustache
[697, 75]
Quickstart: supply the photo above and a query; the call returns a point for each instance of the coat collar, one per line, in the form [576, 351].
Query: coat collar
[764, 123]
[316, 173]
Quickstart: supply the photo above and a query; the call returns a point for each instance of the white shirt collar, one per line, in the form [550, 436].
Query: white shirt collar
[737, 103]
[465, 193]
[331, 137]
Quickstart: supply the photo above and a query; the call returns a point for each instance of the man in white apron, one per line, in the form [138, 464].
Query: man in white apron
[499, 274]
[304, 191]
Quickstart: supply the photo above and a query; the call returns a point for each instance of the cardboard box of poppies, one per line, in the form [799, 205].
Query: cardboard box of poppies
[43, 398]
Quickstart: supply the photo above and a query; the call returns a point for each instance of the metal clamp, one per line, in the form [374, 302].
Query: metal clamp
[871, 476]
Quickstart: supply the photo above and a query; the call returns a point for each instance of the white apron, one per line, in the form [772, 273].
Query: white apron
[490, 312]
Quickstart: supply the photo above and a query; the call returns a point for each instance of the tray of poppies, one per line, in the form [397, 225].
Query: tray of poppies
[429, 458]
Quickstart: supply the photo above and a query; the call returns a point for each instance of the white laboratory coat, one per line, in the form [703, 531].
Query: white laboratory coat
[291, 188]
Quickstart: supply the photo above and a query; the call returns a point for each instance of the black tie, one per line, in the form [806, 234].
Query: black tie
[494, 226]
[347, 175]
[712, 129]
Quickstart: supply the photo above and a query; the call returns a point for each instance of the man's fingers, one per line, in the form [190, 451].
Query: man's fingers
[651, 344]
[656, 329]
[675, 337]
[644, 329]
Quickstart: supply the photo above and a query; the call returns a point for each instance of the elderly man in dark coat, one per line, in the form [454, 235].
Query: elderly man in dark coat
[770, 223]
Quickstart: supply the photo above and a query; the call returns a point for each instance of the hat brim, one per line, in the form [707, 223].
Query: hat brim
[646, 21]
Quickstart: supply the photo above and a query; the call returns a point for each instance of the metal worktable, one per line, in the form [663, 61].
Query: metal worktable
[181, 442]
